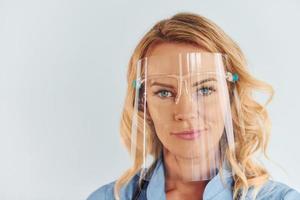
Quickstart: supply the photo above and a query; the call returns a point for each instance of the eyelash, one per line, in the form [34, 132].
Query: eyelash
[210, 88]
[159, 91]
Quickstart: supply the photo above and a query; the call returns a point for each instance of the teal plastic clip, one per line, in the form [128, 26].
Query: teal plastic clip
[232, 77]
[235, 77]
[136, 83]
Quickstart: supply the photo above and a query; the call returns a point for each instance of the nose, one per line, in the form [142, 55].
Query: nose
[184, 109]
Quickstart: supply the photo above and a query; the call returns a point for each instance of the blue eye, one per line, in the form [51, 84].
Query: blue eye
[164, 93]
[205, 91]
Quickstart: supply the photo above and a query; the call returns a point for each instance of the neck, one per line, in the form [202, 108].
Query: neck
[179, 179]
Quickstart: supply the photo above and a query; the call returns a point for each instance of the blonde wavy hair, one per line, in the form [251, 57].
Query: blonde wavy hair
[251, 136]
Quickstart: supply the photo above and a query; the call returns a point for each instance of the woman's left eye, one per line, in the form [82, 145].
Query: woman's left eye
[205, 91]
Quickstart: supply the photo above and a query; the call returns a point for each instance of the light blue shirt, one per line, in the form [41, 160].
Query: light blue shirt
[214, 190]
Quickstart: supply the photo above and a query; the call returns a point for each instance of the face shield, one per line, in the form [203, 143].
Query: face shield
[183, 101]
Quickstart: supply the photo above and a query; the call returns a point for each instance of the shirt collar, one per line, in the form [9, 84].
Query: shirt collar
[221, 183]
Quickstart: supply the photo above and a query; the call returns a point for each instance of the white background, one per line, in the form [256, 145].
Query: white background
[62, 86]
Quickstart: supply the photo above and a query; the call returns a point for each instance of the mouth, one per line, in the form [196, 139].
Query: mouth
[188, 135]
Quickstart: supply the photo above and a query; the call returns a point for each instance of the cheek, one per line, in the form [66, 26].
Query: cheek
[216, 128]
[160, 113]
[160, 120]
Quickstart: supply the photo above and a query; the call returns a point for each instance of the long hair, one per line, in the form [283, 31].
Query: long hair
[251, 136]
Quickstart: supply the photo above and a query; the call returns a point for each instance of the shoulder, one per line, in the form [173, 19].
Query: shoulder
[105, 192]
[273, 190]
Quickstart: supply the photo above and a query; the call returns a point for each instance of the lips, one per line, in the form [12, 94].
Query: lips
[188, 135]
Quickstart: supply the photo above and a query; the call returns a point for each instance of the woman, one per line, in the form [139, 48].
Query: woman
[190, 122]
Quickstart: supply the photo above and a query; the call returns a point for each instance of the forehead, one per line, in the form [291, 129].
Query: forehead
[172, 58]
[167, 48]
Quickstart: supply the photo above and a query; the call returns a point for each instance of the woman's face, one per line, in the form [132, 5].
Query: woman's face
[188, 126]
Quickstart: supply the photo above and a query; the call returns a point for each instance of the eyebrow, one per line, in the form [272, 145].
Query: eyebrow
[161, 84]
[194, 84]
[203, 81]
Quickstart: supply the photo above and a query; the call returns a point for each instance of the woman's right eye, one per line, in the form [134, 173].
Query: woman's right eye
[164, 93]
